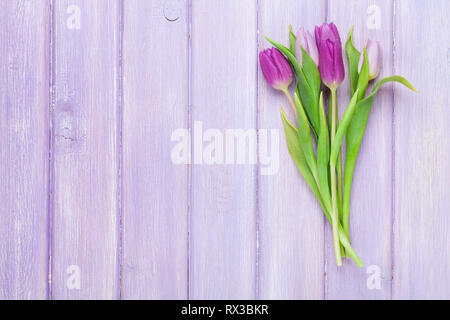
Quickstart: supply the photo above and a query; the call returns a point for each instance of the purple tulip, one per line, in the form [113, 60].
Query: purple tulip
[374, 57]
[276, 69]
[331, 65]
[306, 41]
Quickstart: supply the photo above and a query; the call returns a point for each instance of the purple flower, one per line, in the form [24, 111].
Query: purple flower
[331, 65]
[276, 69]
[374, 57]
[306, 41]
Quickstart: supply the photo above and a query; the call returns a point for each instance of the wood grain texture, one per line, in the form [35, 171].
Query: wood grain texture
[91, 93]
[222, 220]
[422, 152]
[155, 190]
[371, 199]
[291, 232]
[84, 195]
[23, 149]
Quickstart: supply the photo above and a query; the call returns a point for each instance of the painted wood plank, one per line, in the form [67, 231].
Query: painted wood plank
[291, 232]
[155, 190]
[422, 150]
[222, 219]
[85, 116]
[24, 151]
[371, 200]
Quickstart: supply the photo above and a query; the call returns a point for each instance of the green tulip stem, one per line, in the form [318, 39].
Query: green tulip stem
[339, 171]
[343, 239]
[335, 211]
[297, 153]
[333, 114]
[291, 101]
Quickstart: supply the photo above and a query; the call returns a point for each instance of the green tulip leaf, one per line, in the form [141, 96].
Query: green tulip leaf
[304, 135]
[309, 101]
[298, 156]
[363, 80]
[355, 136]
[296, 152]
[308, 97]
[343, 127]
[292, 40]
[323, 155]
[290, 56]
[312, 74]
[353, 56]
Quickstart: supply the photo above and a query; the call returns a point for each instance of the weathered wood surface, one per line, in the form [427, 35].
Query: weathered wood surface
[371, 211]
[291, 225]
[84, 225]
[94, 95]
[223, 197]
[155, 197]
[421, 243]
[24, 118]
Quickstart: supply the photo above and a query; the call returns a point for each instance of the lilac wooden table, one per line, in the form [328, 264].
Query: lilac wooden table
[93, 207]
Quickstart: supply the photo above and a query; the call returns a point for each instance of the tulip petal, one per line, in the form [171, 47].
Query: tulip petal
[331, 64]
[276, 69]
[268, 68]
[335, 32]
[283, 67]
[339, 72]
[306, 41]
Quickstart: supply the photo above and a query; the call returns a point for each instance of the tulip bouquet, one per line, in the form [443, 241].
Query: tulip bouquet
[313, 62]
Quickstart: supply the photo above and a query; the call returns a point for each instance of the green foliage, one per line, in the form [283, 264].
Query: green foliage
[317, 167]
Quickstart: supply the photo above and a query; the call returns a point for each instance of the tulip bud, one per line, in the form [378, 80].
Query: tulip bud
[276, 69]
[331, 64]
[306, 41]
[374, 57]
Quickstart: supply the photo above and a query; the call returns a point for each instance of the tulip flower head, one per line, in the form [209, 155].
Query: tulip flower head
[276, 69]
[374, 57]
[306, 41]
[331, 64]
